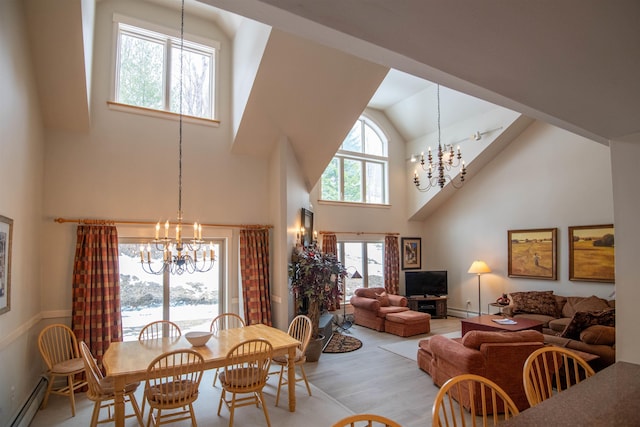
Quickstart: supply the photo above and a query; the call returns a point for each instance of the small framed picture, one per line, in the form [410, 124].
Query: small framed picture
[6, 236]
[592, 253]
[533, 253]
[307, 223]
[411, 253]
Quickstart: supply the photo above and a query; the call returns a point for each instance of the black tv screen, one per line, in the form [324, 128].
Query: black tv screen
[423, 283]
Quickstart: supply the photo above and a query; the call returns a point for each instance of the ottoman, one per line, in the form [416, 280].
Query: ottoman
[407, 323]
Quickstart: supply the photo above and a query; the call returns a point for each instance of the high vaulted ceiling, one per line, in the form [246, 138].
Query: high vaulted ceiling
[573, 63]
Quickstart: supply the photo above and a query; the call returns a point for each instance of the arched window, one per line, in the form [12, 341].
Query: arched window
[358, 172]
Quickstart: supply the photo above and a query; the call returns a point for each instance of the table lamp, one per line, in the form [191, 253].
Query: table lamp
[479, 267]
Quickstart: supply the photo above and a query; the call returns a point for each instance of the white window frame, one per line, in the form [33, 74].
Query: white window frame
[169, 37]
[365, 159]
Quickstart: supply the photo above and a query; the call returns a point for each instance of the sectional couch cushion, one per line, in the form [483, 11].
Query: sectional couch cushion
[599, 335]
[575, 304]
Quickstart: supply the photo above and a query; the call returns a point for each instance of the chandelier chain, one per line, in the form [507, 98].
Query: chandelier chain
[181, 255]
[180, 113]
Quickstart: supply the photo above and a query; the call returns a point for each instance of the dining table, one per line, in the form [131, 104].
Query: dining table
[609, 398]
[127, 362]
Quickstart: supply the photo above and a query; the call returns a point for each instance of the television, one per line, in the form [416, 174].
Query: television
[425, 283]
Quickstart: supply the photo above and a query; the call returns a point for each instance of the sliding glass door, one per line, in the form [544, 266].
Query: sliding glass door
[189, 300]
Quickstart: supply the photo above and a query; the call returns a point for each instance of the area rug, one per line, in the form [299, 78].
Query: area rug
[342, 344]
[409, 347]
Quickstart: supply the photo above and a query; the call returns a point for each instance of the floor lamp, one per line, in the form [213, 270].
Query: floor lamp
[345, 325]
[479, 267]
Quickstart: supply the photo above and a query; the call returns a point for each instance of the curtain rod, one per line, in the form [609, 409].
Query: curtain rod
[113, 222]
[358, 233]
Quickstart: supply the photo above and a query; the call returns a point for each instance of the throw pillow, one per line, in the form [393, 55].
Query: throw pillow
[535, 302]
[583, 319]
[599, 334]
[383, 298]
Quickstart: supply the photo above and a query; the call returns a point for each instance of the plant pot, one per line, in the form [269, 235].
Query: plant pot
[314, 349]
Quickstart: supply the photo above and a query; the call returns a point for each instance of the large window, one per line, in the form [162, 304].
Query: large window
[358, 172]
[148, 73]
[190, 300]
[365, 257]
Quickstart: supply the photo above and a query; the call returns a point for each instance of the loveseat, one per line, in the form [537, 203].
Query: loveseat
[499, 356]
[580, 323]
[371, 306]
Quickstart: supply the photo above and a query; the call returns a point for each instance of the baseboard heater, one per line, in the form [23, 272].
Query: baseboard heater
[30, 407]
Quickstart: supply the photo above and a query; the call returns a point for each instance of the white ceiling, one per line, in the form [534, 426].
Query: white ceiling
[573, 63]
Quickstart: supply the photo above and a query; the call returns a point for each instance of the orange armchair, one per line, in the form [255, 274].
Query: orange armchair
[371, 306]
[498, 356]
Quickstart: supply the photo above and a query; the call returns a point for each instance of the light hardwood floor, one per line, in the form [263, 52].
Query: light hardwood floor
[375, 380]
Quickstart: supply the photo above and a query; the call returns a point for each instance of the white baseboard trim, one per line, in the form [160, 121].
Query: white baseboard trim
[30, 407]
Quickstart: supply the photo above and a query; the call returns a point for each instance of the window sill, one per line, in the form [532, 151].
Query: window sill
[354, 204]
[116, 106]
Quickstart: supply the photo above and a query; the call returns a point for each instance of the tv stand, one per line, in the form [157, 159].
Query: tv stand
[436, 306]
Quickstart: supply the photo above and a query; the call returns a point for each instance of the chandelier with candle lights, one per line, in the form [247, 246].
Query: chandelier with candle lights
[447, 160]
[179, 255]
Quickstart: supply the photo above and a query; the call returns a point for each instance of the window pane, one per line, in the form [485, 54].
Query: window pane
[375, 265]
[352, 180]
[140, 72]
[353, 261]
[140, 292]
[353, 141]
[372, 143]
[194, 298]
[374, 183]
[196, 81]
[331, 181]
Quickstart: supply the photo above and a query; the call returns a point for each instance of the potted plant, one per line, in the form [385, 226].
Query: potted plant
[316, 279]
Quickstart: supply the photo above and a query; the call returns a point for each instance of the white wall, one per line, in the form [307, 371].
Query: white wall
[126, 167]
[546, 178]
[625, 160]
[21, 162]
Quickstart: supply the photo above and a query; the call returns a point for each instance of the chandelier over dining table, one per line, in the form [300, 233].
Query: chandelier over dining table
[180, 254]
[447, 160]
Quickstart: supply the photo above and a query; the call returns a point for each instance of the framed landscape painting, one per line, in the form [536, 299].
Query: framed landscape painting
[411, 253]
[533, 254]
[592, 253]
[6, 234]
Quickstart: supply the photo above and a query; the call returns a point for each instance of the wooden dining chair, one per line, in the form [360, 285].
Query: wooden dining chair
[101, 391]
[171, 387]
[159, 329]
[59, 349]
[366, 420]
[246, 372]
[221, 322]
[300, 329]
[487, 401]
[550, 370]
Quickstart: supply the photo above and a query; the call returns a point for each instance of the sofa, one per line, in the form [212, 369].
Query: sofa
[371, 306]
[498, 356]
[585, 324]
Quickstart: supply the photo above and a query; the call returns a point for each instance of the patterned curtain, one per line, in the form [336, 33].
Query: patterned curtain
[391, 265]
[254, 271]
[96, 317]
[329, 244]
